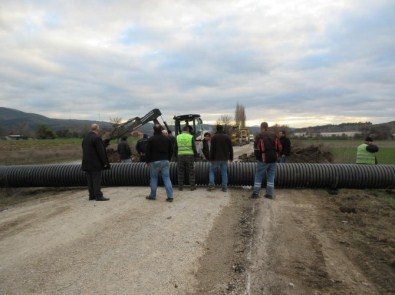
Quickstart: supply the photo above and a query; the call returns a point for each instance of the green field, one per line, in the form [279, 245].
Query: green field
[17, 152]
[344, 151]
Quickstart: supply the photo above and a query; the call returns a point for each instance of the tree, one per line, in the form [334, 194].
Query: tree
[240, 116]
[45, 132]
[225, 121]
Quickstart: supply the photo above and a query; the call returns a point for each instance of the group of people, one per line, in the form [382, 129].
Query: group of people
[161, 148]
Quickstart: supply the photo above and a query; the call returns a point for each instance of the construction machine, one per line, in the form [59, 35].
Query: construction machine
[192, 120]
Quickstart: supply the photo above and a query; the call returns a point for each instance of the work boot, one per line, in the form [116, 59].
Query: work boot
[267, 196]
[210, 188]
[254, 196]
[193, 188]
[102, 199]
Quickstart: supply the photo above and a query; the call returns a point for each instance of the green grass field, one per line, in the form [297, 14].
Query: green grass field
[344, 151]
[17, 152]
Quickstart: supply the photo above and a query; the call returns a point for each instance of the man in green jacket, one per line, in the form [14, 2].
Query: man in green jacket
[185, 151]
[366, 152]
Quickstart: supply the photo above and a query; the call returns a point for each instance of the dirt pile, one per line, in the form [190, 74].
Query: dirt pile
[301, 154]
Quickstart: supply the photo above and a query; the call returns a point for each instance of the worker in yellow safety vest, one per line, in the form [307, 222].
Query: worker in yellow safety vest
[366, 152]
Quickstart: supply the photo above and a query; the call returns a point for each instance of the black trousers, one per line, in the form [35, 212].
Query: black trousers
[94, 184]
[186, 165]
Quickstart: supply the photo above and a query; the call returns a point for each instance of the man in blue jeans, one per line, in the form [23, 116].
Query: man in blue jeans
[221, 151]
[158, 155]
[267, 146]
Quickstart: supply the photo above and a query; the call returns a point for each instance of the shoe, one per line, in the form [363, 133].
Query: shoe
[210, 188]
[193, 188]
[169, 199]
[150, 198]
[224, 189]
[92, 198]
[180, 188]
[102, 199]
[255, 196]
[268, 196]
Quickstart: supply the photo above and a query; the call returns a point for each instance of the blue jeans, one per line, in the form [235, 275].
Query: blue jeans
[270, 170]
[223, 165]
[162, 167]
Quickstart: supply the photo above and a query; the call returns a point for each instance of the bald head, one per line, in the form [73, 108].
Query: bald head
[95, 128]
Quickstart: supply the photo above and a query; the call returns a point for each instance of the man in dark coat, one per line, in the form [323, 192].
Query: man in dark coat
[220, 153]
[124, 150]
[286, 145]
[94, 160]
[158, 155]
[141, 147]
[267, 146]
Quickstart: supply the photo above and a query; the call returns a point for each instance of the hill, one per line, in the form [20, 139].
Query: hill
[17, 122]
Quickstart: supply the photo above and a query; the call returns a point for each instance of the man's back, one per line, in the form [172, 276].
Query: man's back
[221, 147]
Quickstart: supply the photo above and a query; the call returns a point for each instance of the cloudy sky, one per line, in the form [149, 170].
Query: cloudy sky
[294, 62]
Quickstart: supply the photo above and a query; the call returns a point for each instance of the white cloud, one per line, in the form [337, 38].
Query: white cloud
[295, 62]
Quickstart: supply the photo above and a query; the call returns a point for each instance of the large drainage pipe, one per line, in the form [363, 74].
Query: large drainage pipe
[290, 175]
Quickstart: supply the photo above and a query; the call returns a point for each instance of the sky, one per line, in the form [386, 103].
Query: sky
[298, 63]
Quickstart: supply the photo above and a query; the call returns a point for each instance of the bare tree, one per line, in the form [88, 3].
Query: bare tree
[115, 121]
[240, 116]
[226, 121]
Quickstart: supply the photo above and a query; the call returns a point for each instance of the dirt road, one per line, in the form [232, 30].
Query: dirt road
[202, 243]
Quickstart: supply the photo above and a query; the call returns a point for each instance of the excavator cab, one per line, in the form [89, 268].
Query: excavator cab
[193, 121]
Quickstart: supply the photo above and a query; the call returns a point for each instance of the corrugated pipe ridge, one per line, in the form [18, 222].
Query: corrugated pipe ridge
[290, 175]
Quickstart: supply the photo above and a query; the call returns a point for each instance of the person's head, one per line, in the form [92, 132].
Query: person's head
[124, 138]
[95, 128]
[165, 133]
[282, 133]
[207, 136]
[157, 129]
[186, 129]
[219, 128]
[264, 126]
[368, 140]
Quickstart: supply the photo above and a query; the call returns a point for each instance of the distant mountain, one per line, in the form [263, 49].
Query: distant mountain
[15, 122]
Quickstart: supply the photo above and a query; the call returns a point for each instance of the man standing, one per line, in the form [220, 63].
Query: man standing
[94, 160]
[286, 145]
[124, 150]
[267, 146]
[141, 147]
[185, 151]
[206, 146]
[158, 155]
[221, 151]
[366, 152]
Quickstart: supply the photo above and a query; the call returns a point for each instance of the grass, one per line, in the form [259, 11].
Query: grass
[344, 151]
[46, 151]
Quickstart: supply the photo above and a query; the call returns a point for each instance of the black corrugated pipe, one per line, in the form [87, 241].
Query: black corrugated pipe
[290, 175]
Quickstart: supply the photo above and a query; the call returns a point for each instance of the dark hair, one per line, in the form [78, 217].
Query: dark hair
[219, 127]
[207, 133]
[264, 125]
[124, 138]
[157, 128]
[186, 128]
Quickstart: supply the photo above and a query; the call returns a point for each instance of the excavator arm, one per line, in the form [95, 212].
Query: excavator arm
[133, 124]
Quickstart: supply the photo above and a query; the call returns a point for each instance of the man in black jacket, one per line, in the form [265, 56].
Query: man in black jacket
[94, 160]
[221, 152]
[124, 150]
[158, 155]
[286, 145]
[267, 146]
